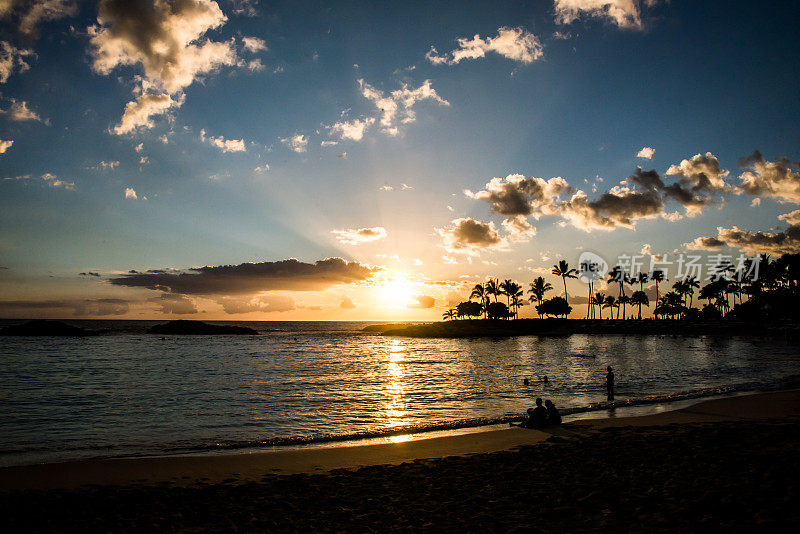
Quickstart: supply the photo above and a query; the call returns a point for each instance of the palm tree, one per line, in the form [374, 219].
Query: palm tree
[641, 279]
[611, 303]
[516, 302]
[537, 290]
[598, 299]
[639, 298]
[691, 284]
[510, 288]
[562, 269]
[515, 294]
[623, 300]
[492, 288]
[449, 314]
[657, 276]
[479, 292]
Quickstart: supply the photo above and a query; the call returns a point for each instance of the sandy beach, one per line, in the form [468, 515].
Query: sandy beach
[727, 463]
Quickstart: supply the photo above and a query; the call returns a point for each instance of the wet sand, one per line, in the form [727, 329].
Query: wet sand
[728, 463]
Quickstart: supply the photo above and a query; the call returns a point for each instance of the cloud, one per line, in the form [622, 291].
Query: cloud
[90, 273]
[19, 111]
[469, 236]
[701, 173]
[774, 179]
[424, 302]
[396, 108]
[289, 275]
[29, 13]
[130, 193]
[347, 304]
[140, 112]
[175, 304]
[343, 155]
[623, 13]
[167, 41]
[106, 165]
[53, 181]
[13, 59]
[783, 242]
[646, 153]
[361, 235]
[297, 142]
[244, 7]
[353, 129]
[262, 168]
[254, 44]
[645, 249]
[5, 145]
[516, 44]
[263, 304]
[226, 145]
[620, 206]
[515, 195]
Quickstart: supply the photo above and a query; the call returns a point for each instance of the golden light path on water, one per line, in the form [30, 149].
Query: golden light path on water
[395, 388]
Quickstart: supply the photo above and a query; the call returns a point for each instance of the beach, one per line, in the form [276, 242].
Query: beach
[726, 463]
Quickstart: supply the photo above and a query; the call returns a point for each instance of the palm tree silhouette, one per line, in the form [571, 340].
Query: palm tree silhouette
[690, 285]
[449, 314]
[639, 298]
[537, 290]
[657, 276]
[598, 300]
[492, 288]
[480, 293]
[623, 300]
[610, 303]
[562, 269]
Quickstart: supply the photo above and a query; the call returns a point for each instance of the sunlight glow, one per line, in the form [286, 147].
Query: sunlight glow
[395, 407]
[396, 292]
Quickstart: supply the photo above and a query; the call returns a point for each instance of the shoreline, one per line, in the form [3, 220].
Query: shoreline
[253, 465]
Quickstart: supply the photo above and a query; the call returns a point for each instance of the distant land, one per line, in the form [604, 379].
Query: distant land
[566, 327]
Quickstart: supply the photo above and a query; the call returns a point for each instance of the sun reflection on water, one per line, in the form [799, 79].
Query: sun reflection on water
[395, 408]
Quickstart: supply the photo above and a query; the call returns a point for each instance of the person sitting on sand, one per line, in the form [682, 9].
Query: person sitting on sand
[553, 417]
[537, 417]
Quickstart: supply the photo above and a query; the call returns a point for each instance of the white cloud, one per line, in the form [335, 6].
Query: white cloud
[12, 59]
[396, 108]
[352, 129]
[140, 112]
[774, 179]
[28, 14]
[19, 111]
[297, 142]
[138, 148]
[262, 168]
[225, 145]
[646, 153]
[328, 143]
[516, 44]
[168, 41]
[645, 249]
[130, 194]
[361, 235]
[53, 181]
[623, 13]
[386, 187]
[107, 165]
[254, 44]
[5, 145]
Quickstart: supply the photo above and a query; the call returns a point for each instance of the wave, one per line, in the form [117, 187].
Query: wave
[786, 383]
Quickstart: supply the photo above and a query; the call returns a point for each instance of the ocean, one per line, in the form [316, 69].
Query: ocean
[127, 393]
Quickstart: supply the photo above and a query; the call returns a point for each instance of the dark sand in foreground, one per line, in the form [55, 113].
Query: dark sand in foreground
[728, 464]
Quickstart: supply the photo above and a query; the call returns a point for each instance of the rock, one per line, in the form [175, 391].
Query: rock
[41, 327]
[199, 328]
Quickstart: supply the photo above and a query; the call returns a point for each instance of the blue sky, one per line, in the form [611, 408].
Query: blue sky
[553, 88]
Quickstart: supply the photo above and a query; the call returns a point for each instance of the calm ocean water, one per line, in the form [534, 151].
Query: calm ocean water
[129, 393]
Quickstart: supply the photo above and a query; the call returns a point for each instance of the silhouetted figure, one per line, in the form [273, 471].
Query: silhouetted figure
[526, 382]
[553, 417]
[538, 415]
[545, 380]
[610, 383]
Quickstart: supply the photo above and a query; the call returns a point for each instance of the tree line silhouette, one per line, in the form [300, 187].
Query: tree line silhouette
[771, 294]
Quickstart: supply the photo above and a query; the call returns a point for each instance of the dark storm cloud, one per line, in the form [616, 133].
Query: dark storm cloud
[290, 275]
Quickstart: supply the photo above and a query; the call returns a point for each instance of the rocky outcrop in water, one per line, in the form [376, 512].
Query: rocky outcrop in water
[41, 327]
[199, 328]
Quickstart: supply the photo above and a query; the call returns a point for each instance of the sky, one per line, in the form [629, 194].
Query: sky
[246, 160]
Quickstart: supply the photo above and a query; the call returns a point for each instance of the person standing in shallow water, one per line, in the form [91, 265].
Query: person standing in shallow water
[610, 383]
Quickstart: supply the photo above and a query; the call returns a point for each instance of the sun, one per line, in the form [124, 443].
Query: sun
[397, 292]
